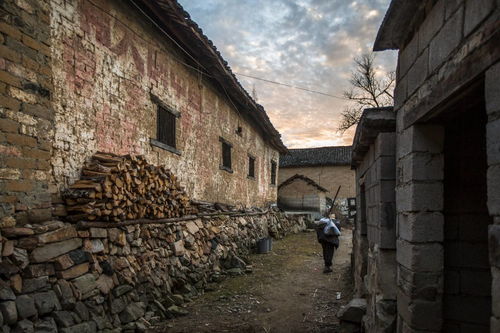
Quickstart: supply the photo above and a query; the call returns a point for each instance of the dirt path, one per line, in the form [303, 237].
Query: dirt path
[287, 292]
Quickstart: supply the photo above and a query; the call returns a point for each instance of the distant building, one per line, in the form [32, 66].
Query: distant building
[327, 167]
[301, 193]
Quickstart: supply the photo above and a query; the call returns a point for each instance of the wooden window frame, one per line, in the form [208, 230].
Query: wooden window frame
[274, 166]
[226, 144]
[251, 160]
[157, 142]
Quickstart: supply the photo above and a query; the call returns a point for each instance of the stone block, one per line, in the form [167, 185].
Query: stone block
[353, 311]
[385, 144]
[85, 283]
[6, 294]
[420, 257]
[53, 250]
[63, 318]
[17, 232]
[39, 270]
[422, 167]
[86, 327]
[492, 87]
[475, 12]
[419, 197]
[74, 271]
[407, 56]
[24, 326]
[25, 305]
[418, 72]
[431, 25]
[131, 313]
[494, 245]
[9, 312]
[192, 228]
[493, 141]
[93, 245]
[446, 40]
[46, 302]
[421, 227]
[98, 233]
[495, 290]
[493, 180]
[31, 285]
[420, 315]
[178, 248]
[58, 235]
[386, 168]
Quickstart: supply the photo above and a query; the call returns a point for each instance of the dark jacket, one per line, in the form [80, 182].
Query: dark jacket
[322, 238]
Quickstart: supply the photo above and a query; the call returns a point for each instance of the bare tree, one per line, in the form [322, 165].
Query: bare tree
[367, 91]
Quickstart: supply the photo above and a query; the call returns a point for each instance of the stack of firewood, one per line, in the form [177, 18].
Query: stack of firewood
[118, 188]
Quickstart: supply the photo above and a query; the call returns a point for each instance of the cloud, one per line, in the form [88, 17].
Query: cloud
[306, 43]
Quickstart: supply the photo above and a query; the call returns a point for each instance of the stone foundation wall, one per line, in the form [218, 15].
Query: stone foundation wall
[55, 277]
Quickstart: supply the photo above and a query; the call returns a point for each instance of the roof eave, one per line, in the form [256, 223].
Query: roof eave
[397, 24]
[373, 121]
[170, 13]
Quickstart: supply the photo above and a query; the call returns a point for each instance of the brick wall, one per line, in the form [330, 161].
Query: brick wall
[107, 62]
[26, 113]
[450, 51]
[329, 177]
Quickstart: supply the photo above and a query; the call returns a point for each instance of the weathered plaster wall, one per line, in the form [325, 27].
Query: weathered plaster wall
[457, 41]
[26, 113]
[329, 177]
[107, 59]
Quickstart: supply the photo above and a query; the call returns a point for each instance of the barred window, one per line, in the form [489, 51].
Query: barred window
[226, 155]
[166, 127]
[273, 173]
[251, 166]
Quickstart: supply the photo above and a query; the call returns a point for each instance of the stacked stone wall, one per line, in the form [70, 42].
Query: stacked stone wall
[56, 277]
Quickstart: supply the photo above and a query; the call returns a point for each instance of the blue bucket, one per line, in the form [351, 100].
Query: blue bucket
[263, 245]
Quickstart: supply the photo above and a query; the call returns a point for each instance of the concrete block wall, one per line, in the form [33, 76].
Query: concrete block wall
[429, 68]
[375, 263]
[26, 113]
[492, 85]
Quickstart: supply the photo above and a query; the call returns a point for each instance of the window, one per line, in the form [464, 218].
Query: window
[251, 166]
[166, 127]
[166, 119]
[273, 173]
[226, 155]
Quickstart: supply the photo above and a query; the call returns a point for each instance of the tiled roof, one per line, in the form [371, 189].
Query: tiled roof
[335, 155]
[304, 178]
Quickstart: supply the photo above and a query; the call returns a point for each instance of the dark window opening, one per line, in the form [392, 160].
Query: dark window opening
[226, 155]
[251, 166]
[273, 173]
[166, 127]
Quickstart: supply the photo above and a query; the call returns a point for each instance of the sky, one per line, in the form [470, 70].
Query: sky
[304, 43]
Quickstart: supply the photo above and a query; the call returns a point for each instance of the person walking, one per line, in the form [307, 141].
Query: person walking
[328, 232]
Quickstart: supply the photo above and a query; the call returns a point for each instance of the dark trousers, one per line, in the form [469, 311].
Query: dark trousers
[328, 249]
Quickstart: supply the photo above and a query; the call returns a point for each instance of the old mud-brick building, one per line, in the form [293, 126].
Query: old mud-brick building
[302, 194]
[327, 167]
[134, 77]
[428, 176]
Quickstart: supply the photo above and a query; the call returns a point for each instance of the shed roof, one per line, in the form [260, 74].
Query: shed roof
[373, 121]
[399, 22]
[322, 156]
[304, 178]
[204, 56]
